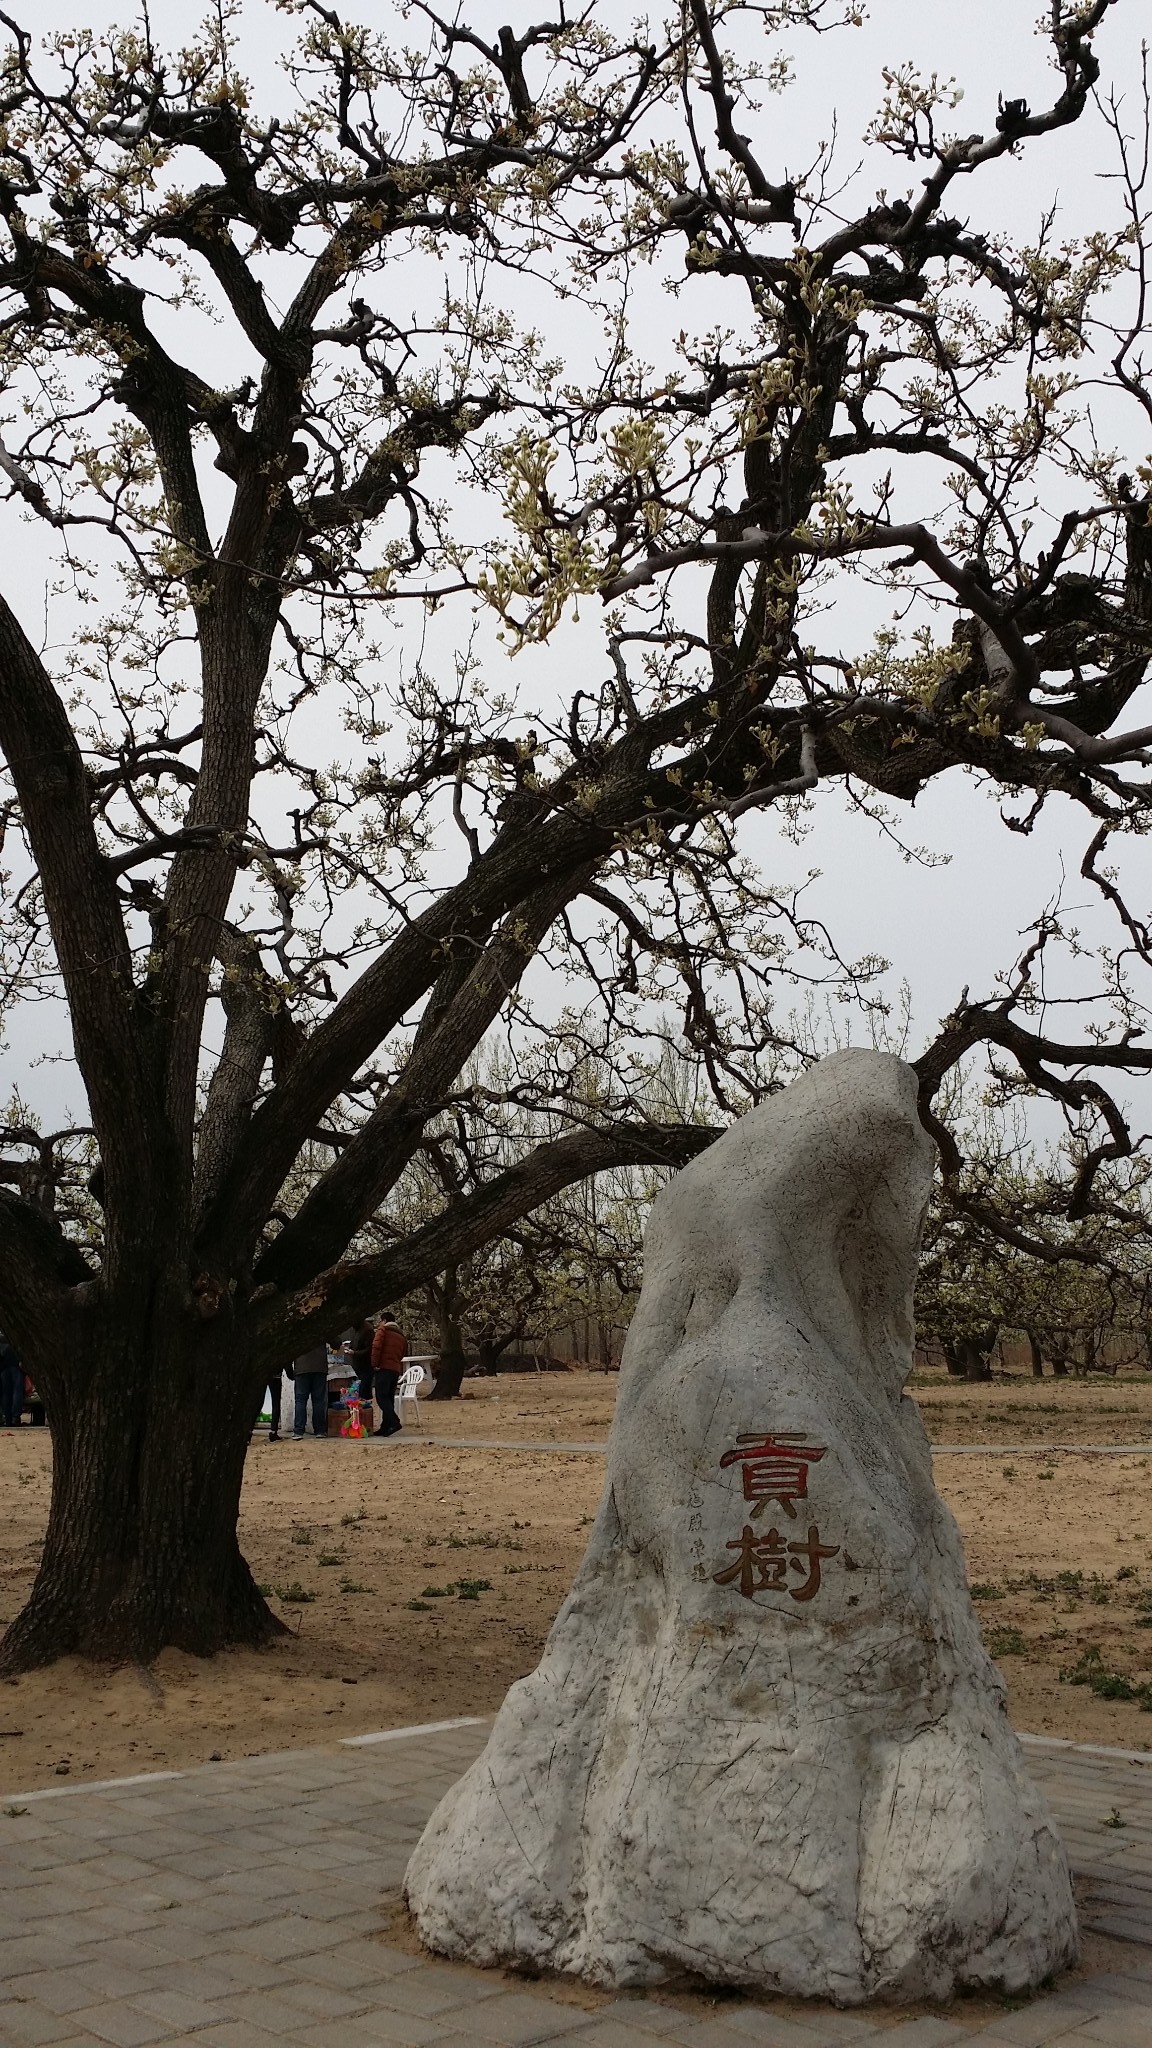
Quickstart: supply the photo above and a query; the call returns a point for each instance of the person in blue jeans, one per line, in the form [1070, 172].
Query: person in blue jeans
[276, 1397]
[11, 1384]
[310, 1371]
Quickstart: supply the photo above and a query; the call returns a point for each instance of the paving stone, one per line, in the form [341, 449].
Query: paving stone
[223, 1913]
[24, 2024]
[111, 1980]
[925, 2033]
[469, 2040]
[132, 1952]
[237, 2034]
[358, 1962]
[177, 1942]
[61, 1991]
[1035, 2025]
[113, 1864]
[1134, 1982]
[81, 2041]
[376, 2030]
[433, 1991]
[610, 2034]
[768, 2029]
[180, 2009]
[761, 2024]
[268, 2009]
[1121, 1926]
[198, 1980]
[515, 2018]
[348, 1908]
[646, 2013]
[26, 1952]
[715, 2033]
[94, 1923]
[324, 2001]
[124, 2025]
[1118, 2029]
[283, 1936]
[987, 2038]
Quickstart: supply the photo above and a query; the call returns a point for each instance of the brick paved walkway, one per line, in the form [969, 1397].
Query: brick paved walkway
[239, 1906]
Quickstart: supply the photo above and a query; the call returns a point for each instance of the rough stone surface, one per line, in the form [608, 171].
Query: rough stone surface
[771, 1767]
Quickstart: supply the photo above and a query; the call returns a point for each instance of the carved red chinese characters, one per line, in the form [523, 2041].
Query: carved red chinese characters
[774, 1467]
[763, 1563]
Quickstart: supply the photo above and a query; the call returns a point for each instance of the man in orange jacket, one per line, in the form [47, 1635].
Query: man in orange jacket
[389, 1346]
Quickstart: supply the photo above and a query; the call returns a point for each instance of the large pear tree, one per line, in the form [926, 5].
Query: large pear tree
[284, 366]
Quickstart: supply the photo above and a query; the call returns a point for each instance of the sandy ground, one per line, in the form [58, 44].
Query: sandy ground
[1016, 1411]
[431, 1574]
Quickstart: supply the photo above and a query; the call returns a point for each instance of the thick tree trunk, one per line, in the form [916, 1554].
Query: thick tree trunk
[141, 1551]
[450, 1373]
[976, 1366]
[452, 1365]
[954, 1362]
[1037, 1356]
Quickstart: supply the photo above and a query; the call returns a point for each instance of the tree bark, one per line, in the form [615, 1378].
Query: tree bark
[449, 1376]
[453, 1364]
[976, 1366]
[148, 1460]
[1036, 1354]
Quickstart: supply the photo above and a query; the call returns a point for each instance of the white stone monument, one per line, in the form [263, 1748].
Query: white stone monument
[765, 1744]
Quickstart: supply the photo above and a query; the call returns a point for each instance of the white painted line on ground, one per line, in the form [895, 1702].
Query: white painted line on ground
[160, 1777]
[93, 1785]
[1029, 1450]
[1129, 1756]
[400, 1734]
[1125, 1756]
[484, 1443]
[1035, 1450]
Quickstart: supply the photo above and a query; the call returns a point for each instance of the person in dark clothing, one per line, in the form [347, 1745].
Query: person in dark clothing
[389, 1346]
[359, 1343]
[276, 1393]
[311, 1374]
[11, 1384]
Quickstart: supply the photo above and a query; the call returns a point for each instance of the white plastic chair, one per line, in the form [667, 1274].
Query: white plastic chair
[411, 1379]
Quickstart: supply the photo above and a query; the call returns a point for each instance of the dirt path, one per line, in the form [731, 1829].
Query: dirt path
[431, 1577]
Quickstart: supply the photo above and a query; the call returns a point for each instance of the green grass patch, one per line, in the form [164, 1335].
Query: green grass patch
[1006, 1642]
[1091, 1670]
